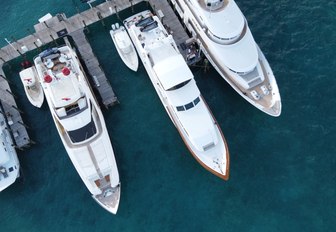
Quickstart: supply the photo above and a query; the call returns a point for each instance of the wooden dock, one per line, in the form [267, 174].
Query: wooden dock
[165, 12]
[91, 62]
[59, 25]
[15, 122]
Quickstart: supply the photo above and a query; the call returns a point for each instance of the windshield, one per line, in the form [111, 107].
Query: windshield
[83, 133]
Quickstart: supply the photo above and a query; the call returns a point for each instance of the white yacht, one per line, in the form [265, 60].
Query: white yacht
[227, 42]
[9, 162]
[32, 86]
[124, 46]
[80, 123]
[178, 92]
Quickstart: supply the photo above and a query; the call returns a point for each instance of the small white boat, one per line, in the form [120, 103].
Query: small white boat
[124, 46]
[32, 86]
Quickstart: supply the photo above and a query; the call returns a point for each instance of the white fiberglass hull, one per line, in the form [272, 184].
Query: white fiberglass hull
[216, 159]
[125, 48]
[34, 92]
[274, 107]
[265, 96]
[92, 156]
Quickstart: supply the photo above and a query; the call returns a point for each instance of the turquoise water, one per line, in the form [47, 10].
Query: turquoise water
[282, 174]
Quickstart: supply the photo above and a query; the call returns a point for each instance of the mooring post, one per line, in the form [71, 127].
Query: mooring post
[206, 65]
[116, 11]
[54, 40]
[101, 18]
[131, 1]
[8, 91]
[27, 127]
[45, 23]
[20, 111]
[85, 27]
[5, 78]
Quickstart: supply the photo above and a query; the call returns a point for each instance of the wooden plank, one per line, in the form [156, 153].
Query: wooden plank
[13, 116]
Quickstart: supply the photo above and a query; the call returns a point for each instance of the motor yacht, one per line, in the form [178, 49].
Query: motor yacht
[80, 123]
[9, 162]
[32, 86]
[227, 42]
[124, 46]
[178, 92]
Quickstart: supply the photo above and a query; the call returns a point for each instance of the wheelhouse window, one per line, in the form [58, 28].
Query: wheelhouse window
[180, 108]
[189, 105]
[83, 133]
[196, 101]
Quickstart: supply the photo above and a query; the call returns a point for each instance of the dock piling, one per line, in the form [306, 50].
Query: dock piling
[55, 42]
[86, 29]
[23, 124]
[131, 1]
[20, 111]
[116, 11]
[10, 92]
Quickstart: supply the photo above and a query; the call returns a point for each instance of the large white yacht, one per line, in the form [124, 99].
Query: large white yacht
[227, 42]
[9, 162]
[178, 92]
[80, 123]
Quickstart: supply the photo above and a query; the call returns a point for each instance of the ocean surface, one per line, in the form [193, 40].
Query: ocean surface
[282, 172]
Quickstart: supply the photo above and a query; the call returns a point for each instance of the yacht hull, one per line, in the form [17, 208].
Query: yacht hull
[216, 159]
[224, 174]
[80, 123]
[265, 95]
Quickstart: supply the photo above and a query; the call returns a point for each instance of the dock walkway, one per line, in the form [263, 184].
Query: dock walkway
[17, 127]
[54, 28]
[165, 12]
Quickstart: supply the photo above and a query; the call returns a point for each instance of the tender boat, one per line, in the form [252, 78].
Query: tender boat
[9, 162]
[178, 92]
[32, 86]
[227, 42]
[124, 46]
[80, 123]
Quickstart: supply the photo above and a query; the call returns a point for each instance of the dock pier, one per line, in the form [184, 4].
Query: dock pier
[12, 114]
[164, 11]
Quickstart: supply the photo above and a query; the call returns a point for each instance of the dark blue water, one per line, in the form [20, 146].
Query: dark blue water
[282, 174]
